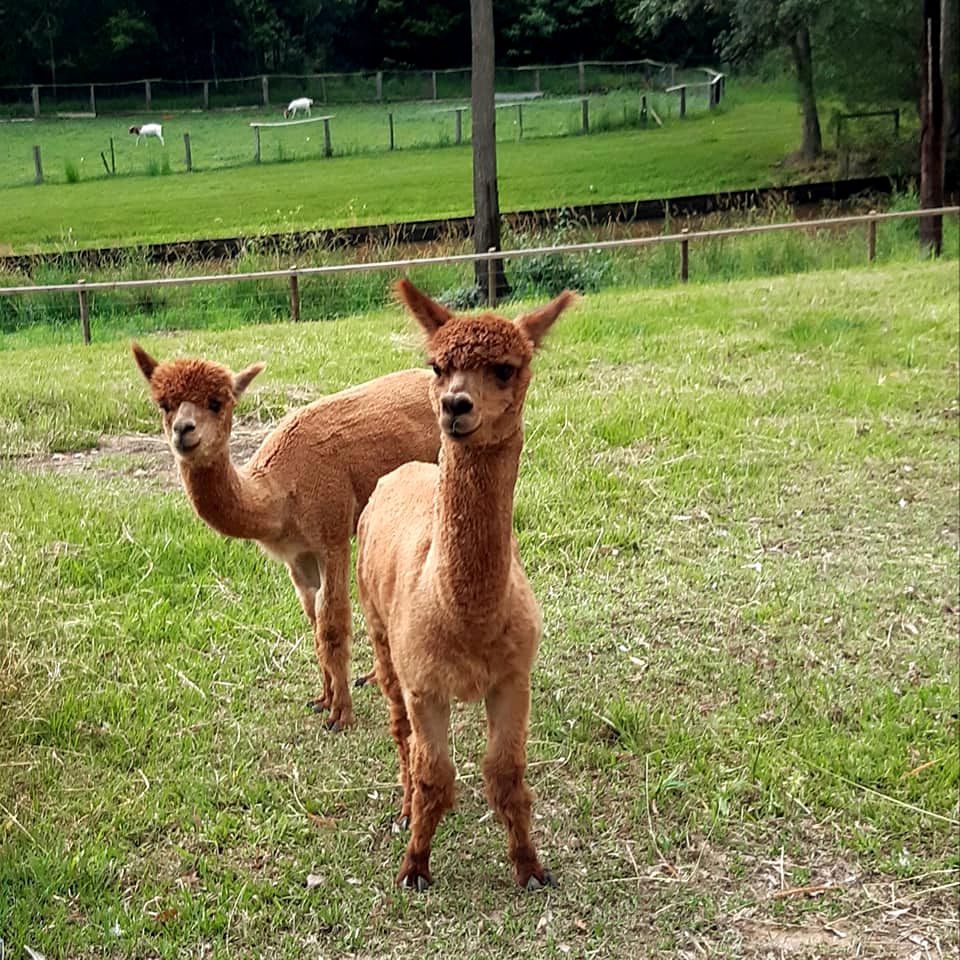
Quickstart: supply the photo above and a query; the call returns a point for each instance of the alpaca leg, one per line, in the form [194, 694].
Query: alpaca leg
[432, 779]
[386, 676]
[305, 574]
[508, 707]
[333, 636]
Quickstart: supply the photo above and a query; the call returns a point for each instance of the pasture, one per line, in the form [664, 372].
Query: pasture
[741, 144]
[737, 506]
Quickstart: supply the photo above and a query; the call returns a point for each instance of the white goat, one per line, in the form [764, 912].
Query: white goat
[147, 130]
[301, 103]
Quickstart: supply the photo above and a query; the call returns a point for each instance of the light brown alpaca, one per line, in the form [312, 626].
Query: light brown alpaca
[447, 604]
[300, 494]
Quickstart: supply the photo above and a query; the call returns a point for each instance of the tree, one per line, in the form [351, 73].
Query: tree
[754, 27]
[931, 128]
[486, 202]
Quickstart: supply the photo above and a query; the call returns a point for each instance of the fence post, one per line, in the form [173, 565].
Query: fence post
[379, 85]
[458, 138]
[84, 313]
[536, 80]
[186, 150]
[684, 257]
[585, 115]
[35, 95]
[93, 101]
[896, 123]
[433, 84]
[113, 159]
[294, 296]
[256, 144]
[643, 107]
[37, 165]
[491, 281]
[581, 78]
[390, 123]
[872, 237]
[264, 91]
[519, 121]
[683, 101]
[206, 94]
[148, 94]
[327, 149]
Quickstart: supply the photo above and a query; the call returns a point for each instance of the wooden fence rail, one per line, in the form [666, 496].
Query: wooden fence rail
[293, 275]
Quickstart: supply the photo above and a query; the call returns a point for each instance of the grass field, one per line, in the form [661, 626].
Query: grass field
[740, 145]
[738, 509]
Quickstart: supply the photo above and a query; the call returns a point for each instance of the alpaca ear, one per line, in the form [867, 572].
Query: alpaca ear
[145, 362]
[428, 313]
[535, 325]
[243, 379]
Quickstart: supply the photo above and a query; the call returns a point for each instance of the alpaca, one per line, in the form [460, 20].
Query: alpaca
[300, 495]
[447, 604]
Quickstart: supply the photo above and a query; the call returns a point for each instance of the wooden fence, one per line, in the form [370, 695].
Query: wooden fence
[293, 274]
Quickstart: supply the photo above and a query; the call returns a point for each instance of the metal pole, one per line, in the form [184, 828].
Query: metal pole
[491, 280]
[872, 239]
[84, 313]
[519, 121]
[37, 166]
[113, 159]
[459, 132]
[390, 123]
[327, 150]
[186, 149]
[294, 296]
[684, 257]
[585, 115]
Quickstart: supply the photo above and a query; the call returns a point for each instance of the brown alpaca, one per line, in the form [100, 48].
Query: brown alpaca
[447, 604]
[300, 494]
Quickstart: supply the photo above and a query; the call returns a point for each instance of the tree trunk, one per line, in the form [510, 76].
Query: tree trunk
[486, 203]
[931, 129]
[948, 70]
[812, 145]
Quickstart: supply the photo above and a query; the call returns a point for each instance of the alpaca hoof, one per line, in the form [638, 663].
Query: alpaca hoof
[333, 726]
[535, 883]
[399, 826]
[417, 882]
[318, 704]
[368, 679]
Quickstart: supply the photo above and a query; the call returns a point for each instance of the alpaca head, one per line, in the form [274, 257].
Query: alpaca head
[482, 364]
[196, 399]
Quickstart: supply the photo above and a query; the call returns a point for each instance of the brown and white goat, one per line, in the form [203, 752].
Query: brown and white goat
[447, 603]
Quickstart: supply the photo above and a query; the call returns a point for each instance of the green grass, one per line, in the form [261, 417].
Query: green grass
[53, 318]
[739, 146]
[738, 509]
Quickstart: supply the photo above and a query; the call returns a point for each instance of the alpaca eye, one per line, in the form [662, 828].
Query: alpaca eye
[503, 372]
[215, 405]
[436, 369]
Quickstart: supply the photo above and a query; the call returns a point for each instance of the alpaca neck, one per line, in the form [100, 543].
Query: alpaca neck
[226, 501]
[473, 523]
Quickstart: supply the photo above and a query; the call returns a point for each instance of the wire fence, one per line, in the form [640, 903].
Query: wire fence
[280, 293]
[370, 86]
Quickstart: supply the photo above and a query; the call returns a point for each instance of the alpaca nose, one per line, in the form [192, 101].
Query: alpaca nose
[456, 404]
[181, 428]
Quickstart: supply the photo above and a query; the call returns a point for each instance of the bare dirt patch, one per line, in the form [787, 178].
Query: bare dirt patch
[143, 458]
